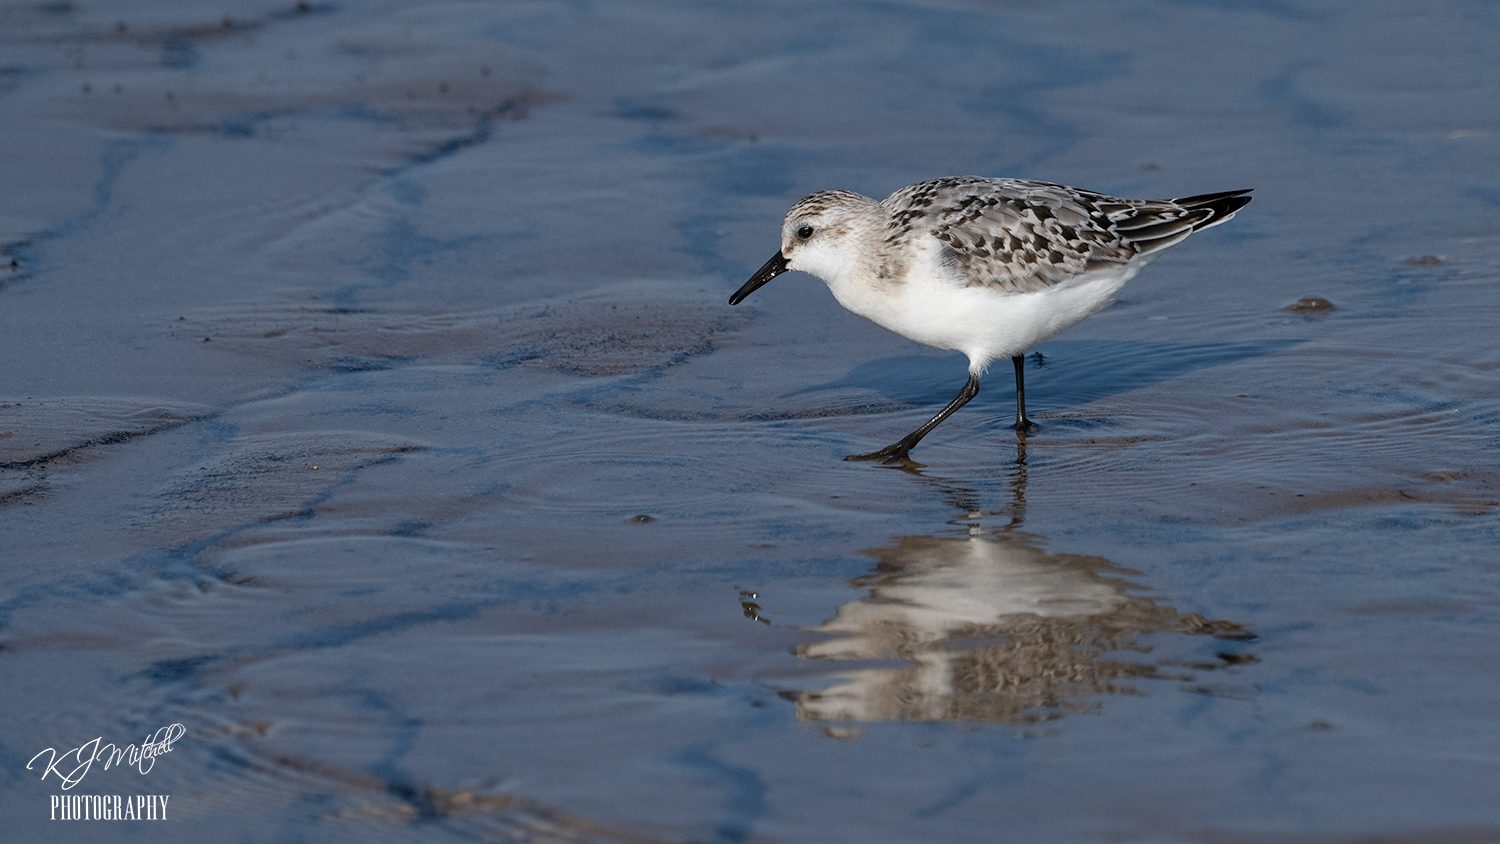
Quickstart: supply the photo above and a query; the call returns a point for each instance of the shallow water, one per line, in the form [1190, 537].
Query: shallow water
[372, 408]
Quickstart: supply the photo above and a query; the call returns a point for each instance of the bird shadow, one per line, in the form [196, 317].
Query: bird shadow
[1066, 373]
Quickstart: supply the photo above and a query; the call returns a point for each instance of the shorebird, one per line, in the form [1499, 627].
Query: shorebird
[987, 267]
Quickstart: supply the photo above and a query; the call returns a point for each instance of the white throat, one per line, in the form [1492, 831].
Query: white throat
[850, 265]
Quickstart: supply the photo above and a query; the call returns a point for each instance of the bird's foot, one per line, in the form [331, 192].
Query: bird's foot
[893, 453]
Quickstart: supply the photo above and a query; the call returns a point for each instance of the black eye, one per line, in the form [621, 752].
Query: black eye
[804, 233]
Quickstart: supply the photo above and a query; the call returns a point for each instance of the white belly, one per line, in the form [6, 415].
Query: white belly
[983, 323]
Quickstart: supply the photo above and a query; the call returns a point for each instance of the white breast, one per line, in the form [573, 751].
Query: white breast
[931, 306]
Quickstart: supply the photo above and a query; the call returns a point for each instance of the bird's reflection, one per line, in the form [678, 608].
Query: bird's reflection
[990, 627]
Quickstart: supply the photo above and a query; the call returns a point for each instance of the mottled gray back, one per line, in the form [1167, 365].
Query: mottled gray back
[1020, 235]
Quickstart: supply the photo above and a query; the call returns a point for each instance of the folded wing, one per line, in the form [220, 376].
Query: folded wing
[1020, 236]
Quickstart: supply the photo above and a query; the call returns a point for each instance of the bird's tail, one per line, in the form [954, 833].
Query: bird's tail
[1220, 205]
[1153, 225]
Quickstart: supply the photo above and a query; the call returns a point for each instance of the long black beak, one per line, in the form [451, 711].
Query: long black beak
[769, 270]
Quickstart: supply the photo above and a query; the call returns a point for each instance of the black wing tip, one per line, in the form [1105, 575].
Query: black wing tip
[1211, 198]
[1222, 205]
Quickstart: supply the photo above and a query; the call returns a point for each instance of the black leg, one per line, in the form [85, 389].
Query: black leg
[898, 450]
[1023, 423]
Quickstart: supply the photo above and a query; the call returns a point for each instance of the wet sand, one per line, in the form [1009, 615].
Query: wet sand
[371, 407]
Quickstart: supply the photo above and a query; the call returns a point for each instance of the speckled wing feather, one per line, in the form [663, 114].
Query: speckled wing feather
[1021, 236]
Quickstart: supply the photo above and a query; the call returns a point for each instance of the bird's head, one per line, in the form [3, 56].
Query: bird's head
[824, 234]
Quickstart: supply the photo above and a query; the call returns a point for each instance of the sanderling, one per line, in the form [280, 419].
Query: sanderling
[987, 267]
